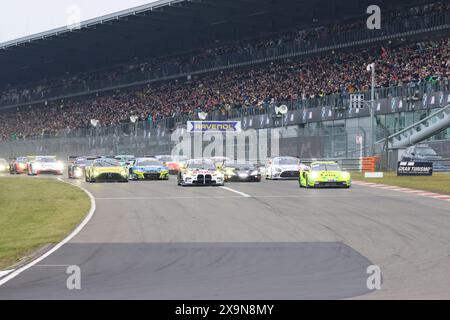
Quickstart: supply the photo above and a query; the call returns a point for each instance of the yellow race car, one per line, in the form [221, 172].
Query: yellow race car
[106, 170]
[324, 174]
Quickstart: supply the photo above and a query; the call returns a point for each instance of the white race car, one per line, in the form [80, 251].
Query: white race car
[45, 164]
[283, 168]
[200, 172]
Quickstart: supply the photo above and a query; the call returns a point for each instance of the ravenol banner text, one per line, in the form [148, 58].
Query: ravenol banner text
[214, 126]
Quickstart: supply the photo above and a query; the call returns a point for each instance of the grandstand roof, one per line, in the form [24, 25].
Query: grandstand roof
[163, 27]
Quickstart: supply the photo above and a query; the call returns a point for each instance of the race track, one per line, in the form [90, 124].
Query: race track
[269, 240]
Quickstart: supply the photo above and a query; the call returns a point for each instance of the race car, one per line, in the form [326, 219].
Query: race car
[4, 166]
[44, 165]
[173, 163]
[148, 169]
[283, 168]
[220, 161]
[200, 172]
[324, 174]
[125, 160]
[241, 172]
[18, 165]
[76, 168]
[106, 170]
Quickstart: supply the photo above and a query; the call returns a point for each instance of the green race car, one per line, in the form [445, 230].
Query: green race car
[105, 170]
[324, 174]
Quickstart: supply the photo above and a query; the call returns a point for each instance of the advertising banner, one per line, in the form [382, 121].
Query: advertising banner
[214, 126]
[414, 168]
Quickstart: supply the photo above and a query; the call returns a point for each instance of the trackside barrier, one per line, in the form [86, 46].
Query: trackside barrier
[369, 164]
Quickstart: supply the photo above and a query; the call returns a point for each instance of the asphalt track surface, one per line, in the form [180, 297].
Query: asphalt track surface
[268, 240]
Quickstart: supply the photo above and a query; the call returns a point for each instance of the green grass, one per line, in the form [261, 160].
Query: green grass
[439, 182]
[35, 213]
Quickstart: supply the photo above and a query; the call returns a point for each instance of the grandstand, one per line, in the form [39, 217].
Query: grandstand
[167, 61]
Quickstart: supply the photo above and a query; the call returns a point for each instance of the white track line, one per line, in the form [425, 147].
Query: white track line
[4, 273]
[80, 227]
[238, 192]
[168, 198]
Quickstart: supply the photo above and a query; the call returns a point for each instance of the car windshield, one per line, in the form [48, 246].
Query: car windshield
[326, 167]
[201, 165]
[107, 163]
[425, 152]
[164, 158]
[84, 162]
[240, 166]
[180, 158]
[46, 160]
[124, 158]
[286, 161]
[147, 162]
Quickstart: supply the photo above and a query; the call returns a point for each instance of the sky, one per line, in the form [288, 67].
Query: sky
[19, 18]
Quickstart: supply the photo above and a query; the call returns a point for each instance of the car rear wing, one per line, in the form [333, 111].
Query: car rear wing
[71, 159]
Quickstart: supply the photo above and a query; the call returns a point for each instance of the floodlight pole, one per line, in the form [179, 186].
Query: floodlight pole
[372, 111]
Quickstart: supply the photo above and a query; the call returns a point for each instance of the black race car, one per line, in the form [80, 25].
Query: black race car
[76, 168]
[241, 172]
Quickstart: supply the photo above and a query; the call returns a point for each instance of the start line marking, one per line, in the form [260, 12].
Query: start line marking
[318, 196]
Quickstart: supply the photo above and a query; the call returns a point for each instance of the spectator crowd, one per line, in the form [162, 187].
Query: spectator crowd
[253, 87]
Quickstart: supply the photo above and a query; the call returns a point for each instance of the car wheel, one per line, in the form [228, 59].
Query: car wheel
[307, 183]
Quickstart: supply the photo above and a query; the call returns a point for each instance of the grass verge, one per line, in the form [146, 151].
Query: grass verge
[439, 182]
[35, 213]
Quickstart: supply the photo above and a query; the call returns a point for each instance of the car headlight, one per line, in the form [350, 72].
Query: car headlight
[254, 173]
[346, 175]
[2, 167]
[314, 175]
[78, 172]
